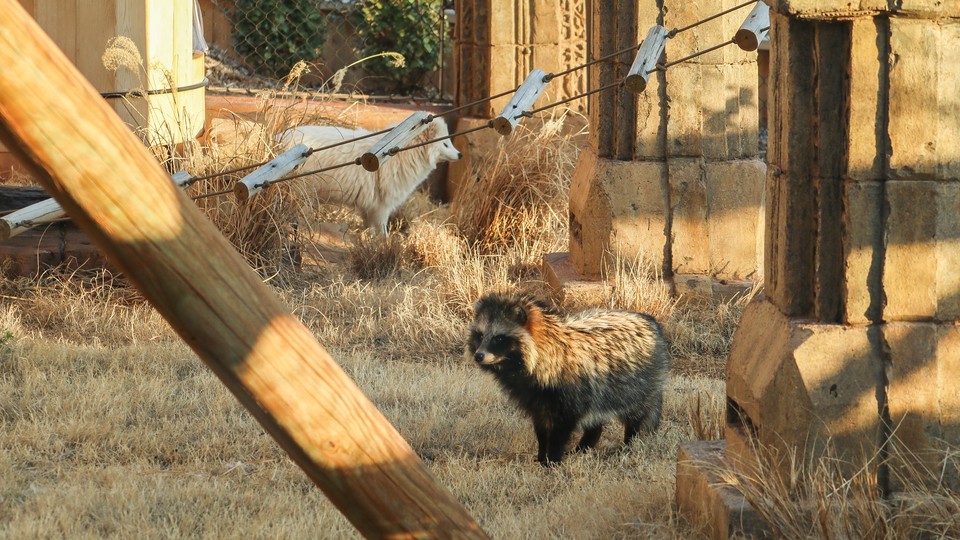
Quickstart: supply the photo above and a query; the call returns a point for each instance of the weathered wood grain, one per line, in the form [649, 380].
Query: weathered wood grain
[116, 192]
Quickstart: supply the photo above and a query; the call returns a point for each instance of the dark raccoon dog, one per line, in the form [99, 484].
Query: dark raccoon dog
[571, 372]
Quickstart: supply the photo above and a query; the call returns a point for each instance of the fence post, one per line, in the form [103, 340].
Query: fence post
[114, 190]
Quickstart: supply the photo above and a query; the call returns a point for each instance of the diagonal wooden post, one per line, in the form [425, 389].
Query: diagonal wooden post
[115, 191]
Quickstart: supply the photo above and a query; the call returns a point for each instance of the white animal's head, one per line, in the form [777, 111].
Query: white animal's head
[442, 150]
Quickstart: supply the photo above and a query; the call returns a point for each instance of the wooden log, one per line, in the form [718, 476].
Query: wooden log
[396, 138]
[181, 178]
[754, 29]
[116, 192]
[49, 210]
[276, 169]
[521, 101]
[13, 198]
[29, 217]
[646, 60]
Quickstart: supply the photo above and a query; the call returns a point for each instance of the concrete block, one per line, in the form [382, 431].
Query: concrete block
[948, 251]
[910, 265]
[948, 99]
[698, 288]
[730, 116]
[685, 124]
[862, 289]
[735, 218]
[548, 58]
[948, 372]
[652, 118]
[740, 442]
[866, 145]
[469, 22]
[716, 510]
[923, 399]
[679, 13]
[802, 385]
[503, 23]
[690, 238]
[924, 104]
[617, 208]
[504, 74]
[831, 10]
[914, 89]
[545, 22]
[790, 243]
[575, 83]
[569, 288]
[793, 106]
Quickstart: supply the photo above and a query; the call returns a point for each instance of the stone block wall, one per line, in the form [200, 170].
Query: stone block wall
[685, 150]
[856, 340]
[498, 43]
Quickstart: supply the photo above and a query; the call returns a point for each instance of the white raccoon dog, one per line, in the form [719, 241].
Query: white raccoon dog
[375, 195]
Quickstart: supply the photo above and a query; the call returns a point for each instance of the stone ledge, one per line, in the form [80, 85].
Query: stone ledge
[50, 246]
[568, 286]
[573, 289]
[832, 10]
[717, 510]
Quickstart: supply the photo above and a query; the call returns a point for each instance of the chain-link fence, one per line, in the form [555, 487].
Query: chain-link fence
[370, 46]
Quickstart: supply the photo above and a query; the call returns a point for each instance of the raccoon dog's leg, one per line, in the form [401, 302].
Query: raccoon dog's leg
[591, 436]
[541, 426]
[560, 437]
[631, 427]
[646, 419]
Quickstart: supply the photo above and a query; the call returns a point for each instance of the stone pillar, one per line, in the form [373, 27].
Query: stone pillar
[856, 338]
[672, 175]
[497, 44]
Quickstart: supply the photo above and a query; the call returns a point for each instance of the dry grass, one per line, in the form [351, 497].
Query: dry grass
[518, 198]
[110, 426]
[267, 230]
[820, 498]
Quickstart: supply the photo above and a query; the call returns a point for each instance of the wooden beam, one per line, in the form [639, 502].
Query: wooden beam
[395, 139]
[755, 28]
[645, 63]
[276, 169]
[521, 101]
[116, 192]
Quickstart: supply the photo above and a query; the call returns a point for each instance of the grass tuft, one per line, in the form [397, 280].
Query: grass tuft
[821, 498]
[518, 197]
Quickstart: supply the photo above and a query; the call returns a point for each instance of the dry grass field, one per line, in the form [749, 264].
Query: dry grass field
[111, 427]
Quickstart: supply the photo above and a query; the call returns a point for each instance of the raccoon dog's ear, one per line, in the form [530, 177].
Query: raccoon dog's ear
[520, 315]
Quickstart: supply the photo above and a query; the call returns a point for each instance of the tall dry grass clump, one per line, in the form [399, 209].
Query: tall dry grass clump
[699, 330]
[262, 229]
[268, 229]
[518, 196]
[820, 498]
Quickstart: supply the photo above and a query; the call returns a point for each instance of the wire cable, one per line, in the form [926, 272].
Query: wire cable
[676, 31]
[525, 114]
